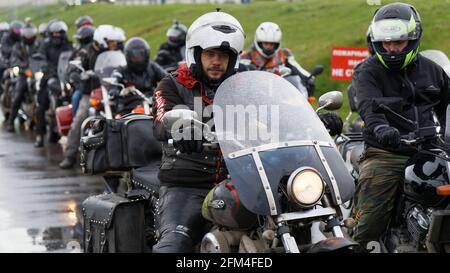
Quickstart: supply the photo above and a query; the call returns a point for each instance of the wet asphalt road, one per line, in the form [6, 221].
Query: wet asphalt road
[39, 202]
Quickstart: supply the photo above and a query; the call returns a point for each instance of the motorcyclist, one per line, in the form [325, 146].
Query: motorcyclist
[50, 50]
[214, 42]
[267, 54]
[395, 73]
[84, 36]
[11, 38]
[43, 34]
[172, 52]
[138, 72]
[7, 43]
[106, 37]
[20, 57]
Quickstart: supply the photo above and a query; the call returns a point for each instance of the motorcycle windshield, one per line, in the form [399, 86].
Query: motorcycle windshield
[438, 57]
[266, 130]
[108, 61]
[63, 64]
[37, 64]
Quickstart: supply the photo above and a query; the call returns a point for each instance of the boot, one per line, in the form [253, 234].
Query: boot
[39, 143]
[67, 163]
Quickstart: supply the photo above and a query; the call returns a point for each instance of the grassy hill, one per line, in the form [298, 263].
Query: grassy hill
[310, 27]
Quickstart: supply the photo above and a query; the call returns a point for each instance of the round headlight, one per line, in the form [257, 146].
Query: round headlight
[16, 71]
[306, 187]
[38, 75]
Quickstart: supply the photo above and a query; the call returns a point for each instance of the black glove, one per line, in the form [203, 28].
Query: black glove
[194, 144]
[388, 136]
[332, 122]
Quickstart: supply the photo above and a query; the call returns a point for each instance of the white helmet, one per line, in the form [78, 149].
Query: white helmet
[106, 33]
[270, 33]
[214, 30]
[4, 26]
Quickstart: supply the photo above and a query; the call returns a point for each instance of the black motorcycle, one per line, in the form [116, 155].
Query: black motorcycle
[58, 94]
[281, 179]
[420, 219]
[10, 77]
[27, 110]
[125, 153]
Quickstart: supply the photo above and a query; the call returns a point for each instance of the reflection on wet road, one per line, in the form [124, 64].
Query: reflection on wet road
[39, 202]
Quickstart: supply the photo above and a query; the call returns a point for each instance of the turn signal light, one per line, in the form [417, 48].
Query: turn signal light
[443, 190]
[95, 102]
[312, 100]
[138, 110]
[28, 73]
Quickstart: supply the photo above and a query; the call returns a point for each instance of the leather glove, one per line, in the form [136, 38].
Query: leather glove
[332, 122]
[194, 144]
[388, 136]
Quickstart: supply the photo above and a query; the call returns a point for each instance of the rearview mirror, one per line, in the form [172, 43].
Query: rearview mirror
[332, 100]
[317, 69]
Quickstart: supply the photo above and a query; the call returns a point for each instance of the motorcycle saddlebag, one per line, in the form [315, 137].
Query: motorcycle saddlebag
[113, 224]
[64, 119]
[121, 145]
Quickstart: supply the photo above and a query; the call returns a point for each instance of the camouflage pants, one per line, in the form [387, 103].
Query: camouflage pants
[380, 178]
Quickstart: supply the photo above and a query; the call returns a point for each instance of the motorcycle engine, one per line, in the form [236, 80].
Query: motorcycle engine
[418, 221]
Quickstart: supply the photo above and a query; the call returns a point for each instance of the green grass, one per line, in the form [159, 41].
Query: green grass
[310, 27]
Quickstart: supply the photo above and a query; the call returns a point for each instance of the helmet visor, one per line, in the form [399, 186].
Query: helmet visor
[137, 55]
[388, 30]
[174, 32]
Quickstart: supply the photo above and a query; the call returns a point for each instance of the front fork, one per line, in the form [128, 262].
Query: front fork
[289, 242]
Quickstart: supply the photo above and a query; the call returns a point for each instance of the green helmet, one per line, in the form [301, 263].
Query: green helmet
[396, 22]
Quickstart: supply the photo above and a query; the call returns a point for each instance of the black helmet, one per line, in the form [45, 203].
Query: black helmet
[15, 28]
[396, 22]
[176, 34]
[84, 21]
[137, 53]
[29, 33]
[85, 34]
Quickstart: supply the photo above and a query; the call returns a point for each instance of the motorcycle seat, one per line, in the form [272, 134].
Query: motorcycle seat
[147, 178]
